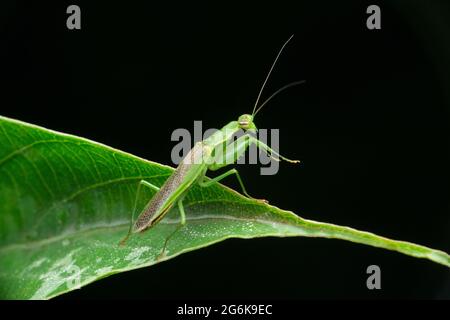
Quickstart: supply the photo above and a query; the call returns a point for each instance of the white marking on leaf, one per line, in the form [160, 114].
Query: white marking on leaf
[34, 265]
[58, 274]
[136, 253]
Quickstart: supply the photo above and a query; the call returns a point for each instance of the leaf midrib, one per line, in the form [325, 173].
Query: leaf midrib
[123, 225]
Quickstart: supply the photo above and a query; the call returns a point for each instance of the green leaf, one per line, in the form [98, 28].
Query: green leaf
[65, 203]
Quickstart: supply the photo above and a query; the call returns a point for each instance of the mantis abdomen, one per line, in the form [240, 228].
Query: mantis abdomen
[175, 186]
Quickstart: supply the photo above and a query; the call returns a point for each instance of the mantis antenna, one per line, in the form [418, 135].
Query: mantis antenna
[296, 83]
[267, 78]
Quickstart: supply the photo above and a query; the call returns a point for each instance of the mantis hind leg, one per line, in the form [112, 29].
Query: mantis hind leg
[182, 223]
[141, 183]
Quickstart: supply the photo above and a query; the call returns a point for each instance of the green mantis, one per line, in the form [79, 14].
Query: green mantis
[215, 152]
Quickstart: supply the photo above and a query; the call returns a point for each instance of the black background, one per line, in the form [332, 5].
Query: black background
[370, 125]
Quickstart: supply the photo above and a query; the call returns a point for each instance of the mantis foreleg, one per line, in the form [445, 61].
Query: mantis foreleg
[271, 152]
[233, 151]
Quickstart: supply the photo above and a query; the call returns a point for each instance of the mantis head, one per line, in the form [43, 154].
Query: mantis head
[246, 122]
